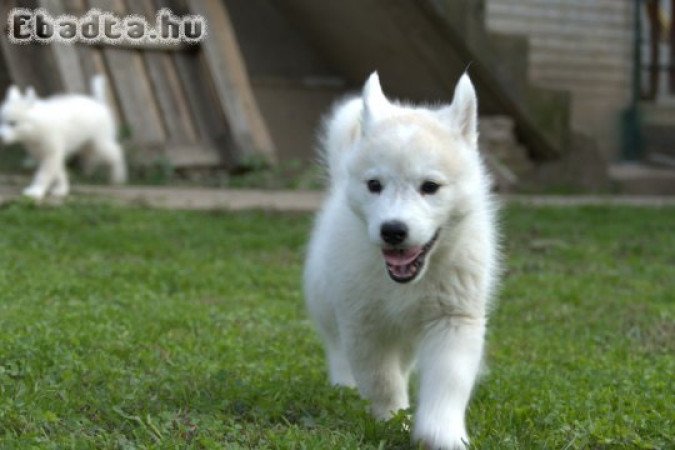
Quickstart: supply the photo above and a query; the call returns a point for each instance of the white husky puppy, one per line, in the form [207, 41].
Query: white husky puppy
[55, 128]
[403, 257]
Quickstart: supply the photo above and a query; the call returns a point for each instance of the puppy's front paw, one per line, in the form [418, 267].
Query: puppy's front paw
[34, 192]
[440, 438]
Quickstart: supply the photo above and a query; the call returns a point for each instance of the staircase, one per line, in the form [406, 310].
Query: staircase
[310, 52]
[655, 173]
[658, 132]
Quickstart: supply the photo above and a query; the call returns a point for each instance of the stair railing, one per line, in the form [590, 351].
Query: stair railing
[656, 33]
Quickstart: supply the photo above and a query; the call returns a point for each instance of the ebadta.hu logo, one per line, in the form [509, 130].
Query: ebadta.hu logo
[96, 26]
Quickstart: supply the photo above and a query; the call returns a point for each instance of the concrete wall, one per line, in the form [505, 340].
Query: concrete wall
[583, 46]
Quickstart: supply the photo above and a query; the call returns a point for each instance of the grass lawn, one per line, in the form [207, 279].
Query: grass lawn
[132, 328]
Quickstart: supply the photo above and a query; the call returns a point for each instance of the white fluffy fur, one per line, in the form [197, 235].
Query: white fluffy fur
[375, 330]
[55, 128]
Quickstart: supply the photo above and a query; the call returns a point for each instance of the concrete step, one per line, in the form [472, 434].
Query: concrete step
[506, 158]
[420, 52]
[642, 179]
[658, 129]
[542, 114]
[659, 140]
[658, 113]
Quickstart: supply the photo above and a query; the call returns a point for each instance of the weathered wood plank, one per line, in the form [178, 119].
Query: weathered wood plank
[175, 113]
[132, 86]
[225, 63]
[209, 118]
[65, 55]
[180, 126]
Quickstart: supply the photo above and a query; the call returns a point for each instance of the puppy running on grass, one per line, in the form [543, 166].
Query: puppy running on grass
[55, 128]
[403, 258]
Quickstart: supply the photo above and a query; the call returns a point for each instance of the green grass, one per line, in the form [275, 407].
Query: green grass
[131, 328]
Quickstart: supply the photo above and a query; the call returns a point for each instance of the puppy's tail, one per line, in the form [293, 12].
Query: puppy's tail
[98, 89]
[341, 129]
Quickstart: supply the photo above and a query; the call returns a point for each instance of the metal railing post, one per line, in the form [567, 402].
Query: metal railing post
[631, 141]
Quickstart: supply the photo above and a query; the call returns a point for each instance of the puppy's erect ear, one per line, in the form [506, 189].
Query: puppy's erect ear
[375, 104]
[463, 112]
[13, 93]
[30, 95]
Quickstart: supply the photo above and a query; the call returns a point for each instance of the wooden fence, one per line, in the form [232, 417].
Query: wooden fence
[190, 104]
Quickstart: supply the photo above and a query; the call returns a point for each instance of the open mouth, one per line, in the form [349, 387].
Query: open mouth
[404, 264]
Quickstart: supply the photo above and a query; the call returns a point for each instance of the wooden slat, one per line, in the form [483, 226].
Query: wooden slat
[91, 59]
[70, 68]
[175, 112]
[132, 86]
[65, 55]
[180, 126]
[226, 65]
[209, 118]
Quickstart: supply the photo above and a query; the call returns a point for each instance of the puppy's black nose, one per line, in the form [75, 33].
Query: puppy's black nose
[394, 232]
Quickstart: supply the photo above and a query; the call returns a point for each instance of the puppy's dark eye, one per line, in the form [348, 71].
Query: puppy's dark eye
[374, 186]
[11, 123]
[429, 188]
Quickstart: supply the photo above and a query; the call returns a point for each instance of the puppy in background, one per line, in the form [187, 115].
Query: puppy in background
[54, 129]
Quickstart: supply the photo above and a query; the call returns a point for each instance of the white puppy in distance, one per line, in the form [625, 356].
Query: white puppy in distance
[403, 258]
[55, 128]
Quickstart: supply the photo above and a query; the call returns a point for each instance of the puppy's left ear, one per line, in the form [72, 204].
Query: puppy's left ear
[462, 114]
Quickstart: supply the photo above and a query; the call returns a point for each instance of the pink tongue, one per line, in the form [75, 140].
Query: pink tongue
[401, 257]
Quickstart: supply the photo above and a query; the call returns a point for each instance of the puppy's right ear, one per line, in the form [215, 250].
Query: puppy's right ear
[31, 95]
[375, 104]
[13, 93]
[462, 114]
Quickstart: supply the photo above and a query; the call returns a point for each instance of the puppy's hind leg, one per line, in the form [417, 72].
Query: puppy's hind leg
[61, 186]
[88, 161]
[111, 153]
